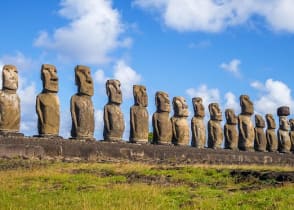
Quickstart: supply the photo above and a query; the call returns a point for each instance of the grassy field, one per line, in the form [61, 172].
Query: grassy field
[46, 185]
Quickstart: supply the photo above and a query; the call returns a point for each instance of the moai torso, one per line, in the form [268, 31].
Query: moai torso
[197, 124]
[291, 121]
[180, 126]
[215, 132]
[139, 117]
[260, 138]
[82, 109]
[114, 125]
[230, 130]
[284, 144]
[271, 136]
[162, 126]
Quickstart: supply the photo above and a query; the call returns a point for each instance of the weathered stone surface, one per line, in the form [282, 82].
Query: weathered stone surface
[283, 111]
[230, 130]
[81, 105]
[47, 102]
[114, 124]
[180, 125]
[9, 101]
[272, 141]
[291, 121]
[260, 138]
[215, 132]
[139, 116]
[283, 135]
[197, 124]
[162, 126]
[245, 126]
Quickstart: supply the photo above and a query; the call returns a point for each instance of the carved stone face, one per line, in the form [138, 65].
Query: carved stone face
[84, 80]
[259, 121]
[270, 121]
[199, 110]
[180, 107]
[49, 77]
[113, 91]
[162, 102]
[140, 95]
[10, 77]
[291, 121]
[246, 105]
[284, 123]
[215, 112]
[231, 117]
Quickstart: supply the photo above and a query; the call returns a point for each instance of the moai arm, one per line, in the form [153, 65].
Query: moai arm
[175, 136]
[256, 136]
[155, 128]
[73, 112]
[241, 128]
[38, 110]
[106, 120]
[132, 121]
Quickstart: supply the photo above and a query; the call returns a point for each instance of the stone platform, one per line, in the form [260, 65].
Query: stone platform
[71, 150]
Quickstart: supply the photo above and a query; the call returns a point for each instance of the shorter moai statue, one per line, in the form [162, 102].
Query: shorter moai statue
[81, 105]
[139, 116]
[245, 126]
[260, 138]
[271, 137]
[180, 125]
[291, 121]
[9, 102]
[284, 128]
[197, 124]
[230, 130]
[114, 124]
[215, 132]
[47, 103]
[162, 126]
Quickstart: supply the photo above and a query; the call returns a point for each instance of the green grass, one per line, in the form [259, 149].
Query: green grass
[49, 185]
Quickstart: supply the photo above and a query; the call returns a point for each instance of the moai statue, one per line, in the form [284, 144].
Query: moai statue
[230, 130]
[291, 121]
[245, 126]
[162, 126]
[260, 138]
[139, 116]
[197, 124]
[114, 124]
[272, 142]
[81, 105]
[9, 102]
[283, 132]
[215, 132]
[47, 103]
[180, 126]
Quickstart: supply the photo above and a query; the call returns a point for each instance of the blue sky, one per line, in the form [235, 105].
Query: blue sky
[216, 49]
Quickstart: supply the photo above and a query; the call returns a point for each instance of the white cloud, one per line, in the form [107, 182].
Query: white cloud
[232, 66]
[216, 15]
[93, 31]
[21, 62]
[232, 102]
[99, 124]
[99, 77]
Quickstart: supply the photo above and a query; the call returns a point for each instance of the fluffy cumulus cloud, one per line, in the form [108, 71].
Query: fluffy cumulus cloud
[232, 102]
[93, 31]
[233, 66]
[216, 15]
[99, 124]
[18, 59]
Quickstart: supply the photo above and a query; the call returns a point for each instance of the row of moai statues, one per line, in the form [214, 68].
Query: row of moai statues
[166, 130]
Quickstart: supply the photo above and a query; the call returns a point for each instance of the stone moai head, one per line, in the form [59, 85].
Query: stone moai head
[113, 91]
[9, 77]
[49, 78]
[231, 118]
[291, 121]
[140, 95]
[270, 121]
[199, 110]
[162, 102]
[215, 112]
[180, 107]
[247, 107]
[84, 80]
[259, 121]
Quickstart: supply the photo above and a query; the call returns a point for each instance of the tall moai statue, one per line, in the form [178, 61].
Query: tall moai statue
[47, 103]
[180, 125]
[284, 142]
[230, 130]
[271, 137]
[162, 126]
[245, 126]
[197, 124]
[260, 137]
[114, 124]
[291, 121]
[215, 132]
[81, 105]
[139, 126]
[9, 102]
